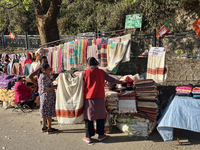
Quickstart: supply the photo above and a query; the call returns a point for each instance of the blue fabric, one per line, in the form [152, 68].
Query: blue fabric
[182, 113]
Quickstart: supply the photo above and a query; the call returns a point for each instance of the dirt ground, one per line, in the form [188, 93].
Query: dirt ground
[21, 131]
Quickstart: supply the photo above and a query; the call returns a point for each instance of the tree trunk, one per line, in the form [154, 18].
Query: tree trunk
[47, 20]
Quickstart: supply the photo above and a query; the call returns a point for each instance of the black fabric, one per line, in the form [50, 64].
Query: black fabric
[89, 127]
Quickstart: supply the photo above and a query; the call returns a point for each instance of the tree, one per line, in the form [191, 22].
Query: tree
[46, 12]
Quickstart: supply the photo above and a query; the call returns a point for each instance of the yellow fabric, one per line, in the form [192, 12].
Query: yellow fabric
[7, 96]
[82, 51]
[108, 53]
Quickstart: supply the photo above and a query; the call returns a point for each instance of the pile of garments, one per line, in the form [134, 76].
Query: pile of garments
[196, 92]
[147, 98]
[127, 102]
[184, 90]
[112, 101]
[133, 125]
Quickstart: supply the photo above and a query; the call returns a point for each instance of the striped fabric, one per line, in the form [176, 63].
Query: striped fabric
[98, 57]
[85, 50]
[79, 51]
[71, 55]
[60, 58]
[92, 50]
[65, 56]
[75, 54]
[104, 55]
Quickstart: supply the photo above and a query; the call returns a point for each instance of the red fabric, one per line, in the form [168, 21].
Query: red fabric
[94, 83]
[129, 81]
[21, 92]
[85, 50]
[196, 26]
[59, 61]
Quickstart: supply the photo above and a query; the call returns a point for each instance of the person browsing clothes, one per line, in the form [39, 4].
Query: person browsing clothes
[94, 99]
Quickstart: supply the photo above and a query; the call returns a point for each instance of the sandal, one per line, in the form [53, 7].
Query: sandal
[52, 130]
[44, 130]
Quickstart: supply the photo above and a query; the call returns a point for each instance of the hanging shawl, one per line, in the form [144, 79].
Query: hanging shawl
[69, 99]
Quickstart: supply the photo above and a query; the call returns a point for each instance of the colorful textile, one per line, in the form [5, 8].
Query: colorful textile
[104, 40]
[85, 50]
[118, 54]
[98, 57]
[79, 51]
[128, 51]
[57, 60]
[196, 26]
[104, 55]
[47, 99]
[49, 57]
[156, 69]
[7, 95]
[54, 60]
[108, 53]
[69, 99]
[114, 40]
[76, 54]
[27, 69]
[92, 51]
[65, 55]
[71, 55]
[184, 87]
[98, 41]
[82, 51]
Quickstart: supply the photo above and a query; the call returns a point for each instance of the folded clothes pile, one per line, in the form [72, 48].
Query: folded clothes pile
[147, 99]
[127, 102]
[196, 92]
[184, 90]
[112, 101]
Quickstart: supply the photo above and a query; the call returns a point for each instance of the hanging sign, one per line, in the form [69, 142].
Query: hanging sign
[156, 51]
[133, 21]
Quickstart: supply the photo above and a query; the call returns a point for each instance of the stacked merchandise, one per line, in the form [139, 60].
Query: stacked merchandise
[184, 90]
[112, 101]
[132, 125]
[127, 102]
[196, 92]
[147, 99]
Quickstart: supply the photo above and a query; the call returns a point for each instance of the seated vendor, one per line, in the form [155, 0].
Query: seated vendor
[22, 92]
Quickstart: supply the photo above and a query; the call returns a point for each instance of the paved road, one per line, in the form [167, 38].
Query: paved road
[21, 131]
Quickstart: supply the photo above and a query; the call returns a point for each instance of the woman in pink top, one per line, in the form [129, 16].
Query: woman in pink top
[22, 92]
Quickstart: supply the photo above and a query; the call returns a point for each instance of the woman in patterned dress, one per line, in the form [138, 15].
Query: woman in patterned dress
[47, 98]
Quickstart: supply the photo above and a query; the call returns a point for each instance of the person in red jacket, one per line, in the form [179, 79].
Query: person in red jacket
[22, 92]
[94, 99]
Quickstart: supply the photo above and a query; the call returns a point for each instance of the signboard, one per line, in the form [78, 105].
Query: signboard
[156, 51]
[133, 21]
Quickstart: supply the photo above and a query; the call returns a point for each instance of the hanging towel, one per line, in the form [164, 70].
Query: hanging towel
[54, 60]
[68, 56]
[98, 55]
[57, 59]
[92, 50]
[127, 54]
[104, 55]
[108, 53]
[82, 51]
[75, 54]
[85, 50]
[65, 56]
[98, 41]
[79, 51]
[118, 54]
[49, 57]
[71, 56]
[156, 68]
[104, 40]
[89, 42]
[69, 99]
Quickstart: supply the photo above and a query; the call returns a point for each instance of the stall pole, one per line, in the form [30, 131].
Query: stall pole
[160, 41]
[154, 37]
